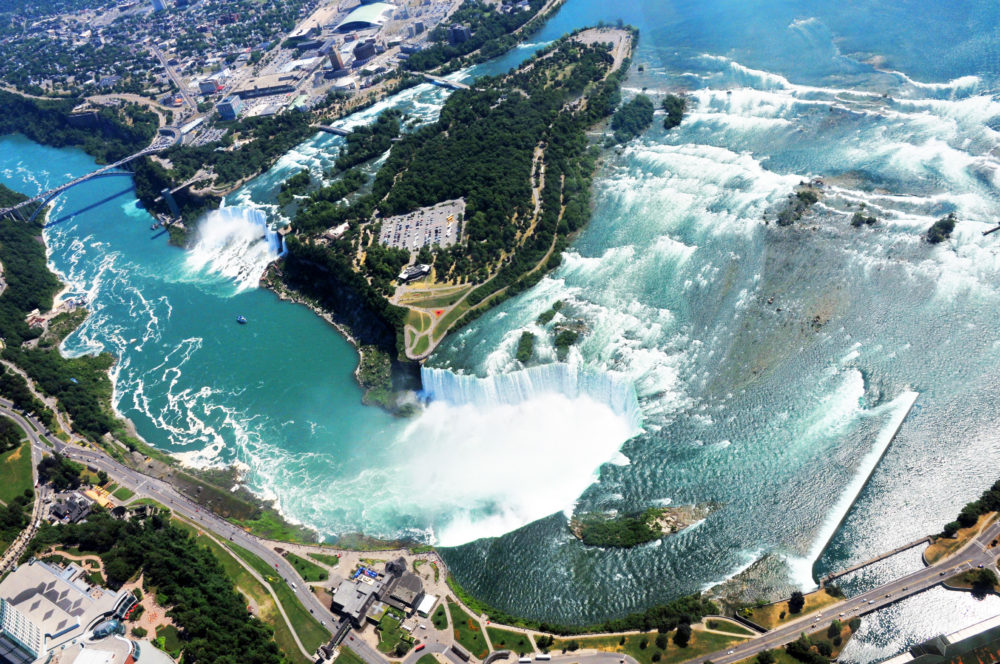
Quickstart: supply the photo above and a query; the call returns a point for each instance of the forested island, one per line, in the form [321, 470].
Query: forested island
[514, 151]
[633, 529]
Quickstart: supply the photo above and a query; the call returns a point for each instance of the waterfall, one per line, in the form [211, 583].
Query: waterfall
[236, 242]
[516, 387]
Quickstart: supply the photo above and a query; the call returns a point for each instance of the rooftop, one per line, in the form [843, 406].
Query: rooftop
[366, 16]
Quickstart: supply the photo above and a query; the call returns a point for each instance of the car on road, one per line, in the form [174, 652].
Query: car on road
[728, 653]
[871, 601]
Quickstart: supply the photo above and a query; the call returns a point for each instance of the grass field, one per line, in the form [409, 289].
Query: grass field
[503, 639]
[123, 493]
[440, 618]
[770, 616]
[254, 590]
[390, 634]
[326, 559]
[726, 626]
[418, 320]
[701, 643]
[149, 501]
[446, 299]
[15, 472]
[467, 632]
[171, 639]
[448, 319]
[427, 659]
[421, 346]
[311, 633]
[309, 571]
[943, 547]
[348, 656]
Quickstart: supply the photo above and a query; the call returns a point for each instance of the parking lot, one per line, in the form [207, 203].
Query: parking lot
[439, 225]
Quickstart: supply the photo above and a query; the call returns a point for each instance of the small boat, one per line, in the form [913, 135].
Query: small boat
[241, 320]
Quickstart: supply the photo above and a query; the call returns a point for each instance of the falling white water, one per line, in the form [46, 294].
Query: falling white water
[237, 243]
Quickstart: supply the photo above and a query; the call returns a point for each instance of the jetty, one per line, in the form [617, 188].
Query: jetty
[865, 563]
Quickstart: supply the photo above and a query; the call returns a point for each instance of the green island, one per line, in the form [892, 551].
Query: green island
[632, 118]
[674, 105]
[511, 154]
[628, 530]
[941, 229]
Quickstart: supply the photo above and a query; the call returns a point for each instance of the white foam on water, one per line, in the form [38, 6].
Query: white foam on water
[237, 243]
[898, 409]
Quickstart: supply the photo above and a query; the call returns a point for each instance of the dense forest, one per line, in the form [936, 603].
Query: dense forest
[623, 531]
[633, 118]
[116, 133]
[212, 616]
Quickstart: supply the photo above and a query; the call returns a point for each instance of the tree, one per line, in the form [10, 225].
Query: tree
[796, 602]
[644, 643]
[824, 648]
[102, 477]
[661, 641]
[573, 645]
[834, 629]
[854, 624]
[766, 657]
[983, 581]
[683, 635]
[674, 106]
[951, 528]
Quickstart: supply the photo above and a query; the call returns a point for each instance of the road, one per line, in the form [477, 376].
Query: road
[185, 95]
[971, 556]
[166, 494]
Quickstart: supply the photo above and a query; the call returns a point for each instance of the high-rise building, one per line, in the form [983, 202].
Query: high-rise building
[158, 5]
[230, 107]
[337, 60]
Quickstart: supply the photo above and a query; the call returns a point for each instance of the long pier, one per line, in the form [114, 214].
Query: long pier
[865, 563]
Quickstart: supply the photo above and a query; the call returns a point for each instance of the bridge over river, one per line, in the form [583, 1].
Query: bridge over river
[168, 136]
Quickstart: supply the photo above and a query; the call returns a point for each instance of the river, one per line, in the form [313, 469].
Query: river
[766, 367]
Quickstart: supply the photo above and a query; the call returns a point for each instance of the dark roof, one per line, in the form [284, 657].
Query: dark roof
[408, 588]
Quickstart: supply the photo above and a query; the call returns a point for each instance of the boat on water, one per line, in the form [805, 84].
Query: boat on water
[241, 320]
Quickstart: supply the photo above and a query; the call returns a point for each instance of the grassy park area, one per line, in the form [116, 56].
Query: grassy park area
[726, 626]
[942, 547]
[15, 472]
[348, 656]
[123, 493]
[440, 618]
[391, 637]
[503, 639]
[326, 559]
[309, 571]
[644, 647]
[772, 615]
[467, 632]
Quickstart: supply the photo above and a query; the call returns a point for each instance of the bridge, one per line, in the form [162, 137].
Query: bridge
[332, 130]
[445, 83]
[168, 136]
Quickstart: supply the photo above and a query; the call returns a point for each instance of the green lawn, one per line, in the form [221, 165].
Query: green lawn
[348, 656]
[309, 571]
[171, 640]
[503, 639]
[311, 633]
[449, 318]
[326, 559]
[701, 643]
[123, 493]
[390, 634]
[252, 588]
[438, 301]
[440, 618]
[15, 472]
[149, 501]
[726, 626]
[467, 632]
[421, 346]
[427, 659]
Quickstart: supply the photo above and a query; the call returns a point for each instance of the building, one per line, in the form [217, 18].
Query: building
[268, 84]
[412, 272]
[367, 594]
[70, 508]
[50, 614]
[158, 5]
[208, 86]
[230, 107]
[337, 61]
[459, 33]
[367, 16]
[426, 605]
[978, 643]
[363, 52]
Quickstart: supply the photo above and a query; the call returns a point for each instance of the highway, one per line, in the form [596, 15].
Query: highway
[164, 493]
[973, 555]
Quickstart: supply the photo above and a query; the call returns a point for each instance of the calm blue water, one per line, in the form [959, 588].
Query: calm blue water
[775, 410]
